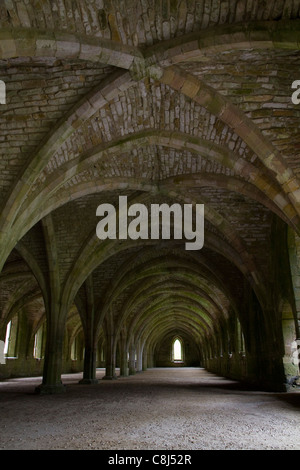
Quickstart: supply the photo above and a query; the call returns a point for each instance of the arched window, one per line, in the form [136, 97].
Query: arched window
[177, 352]
[10, 345]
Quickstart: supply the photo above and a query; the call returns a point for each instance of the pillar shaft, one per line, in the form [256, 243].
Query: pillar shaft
[89, 367]
[110, 366]
[53, 359]
[139, 363]
[132, 369]
[124, 371]
[145, 360]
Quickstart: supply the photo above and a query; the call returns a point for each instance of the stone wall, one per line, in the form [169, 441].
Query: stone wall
[163, 354]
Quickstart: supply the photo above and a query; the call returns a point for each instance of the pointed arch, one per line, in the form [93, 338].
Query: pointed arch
[177, 350]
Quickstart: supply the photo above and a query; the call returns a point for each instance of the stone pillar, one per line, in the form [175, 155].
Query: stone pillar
[124, 371]
[132, 370]
[149, 358]
[53, 359]
[110, 372]
[139, 364]
[89, 368]
[145, 359]
[56, 313]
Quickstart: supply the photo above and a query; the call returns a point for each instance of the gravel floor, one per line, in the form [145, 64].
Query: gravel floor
[160, 409]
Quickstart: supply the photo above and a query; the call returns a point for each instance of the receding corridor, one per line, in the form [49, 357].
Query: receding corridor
[182, 408]
[149, 225]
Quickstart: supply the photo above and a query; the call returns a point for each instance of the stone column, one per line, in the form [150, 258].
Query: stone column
[53, 359]
[150, 361]
[145, 359]
[124, 371]
[56, 313]
[132, 370]
[110, 373]
[89, 367]
[139, 364]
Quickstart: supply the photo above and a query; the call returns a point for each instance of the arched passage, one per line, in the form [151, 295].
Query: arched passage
[186, 104]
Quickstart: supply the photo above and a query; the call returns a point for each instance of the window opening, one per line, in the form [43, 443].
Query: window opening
[7, 337]
[177, 351]
[10, 345]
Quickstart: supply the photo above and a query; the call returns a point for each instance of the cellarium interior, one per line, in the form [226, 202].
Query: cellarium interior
[164, 102]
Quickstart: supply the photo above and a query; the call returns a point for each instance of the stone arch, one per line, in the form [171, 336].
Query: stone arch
[140, 66]
[177, 349]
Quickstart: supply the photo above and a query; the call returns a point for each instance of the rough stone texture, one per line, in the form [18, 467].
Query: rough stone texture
[189, 409]
[169, 101]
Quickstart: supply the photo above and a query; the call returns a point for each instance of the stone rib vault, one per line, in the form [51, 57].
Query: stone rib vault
[170, 101]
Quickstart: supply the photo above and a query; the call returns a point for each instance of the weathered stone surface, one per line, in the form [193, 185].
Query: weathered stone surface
[164, 102]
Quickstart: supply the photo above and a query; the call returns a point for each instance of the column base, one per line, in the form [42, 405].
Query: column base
[50, 389]
[88, 381]
[109, 377]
